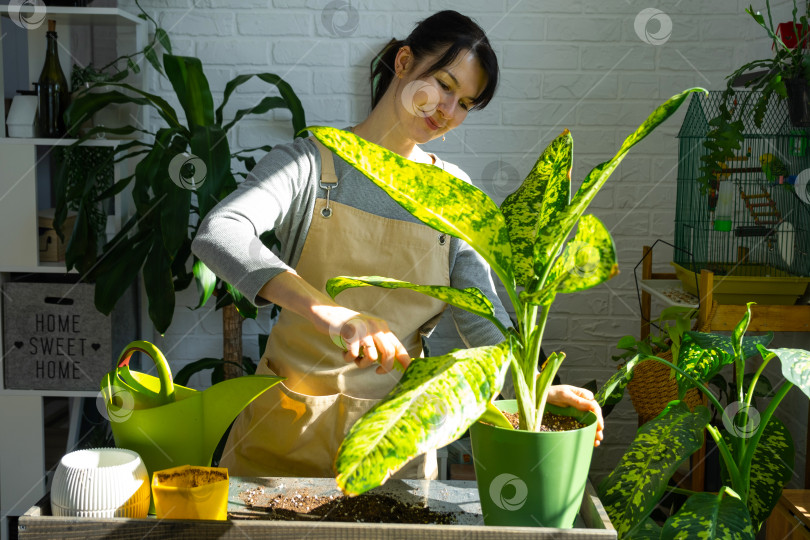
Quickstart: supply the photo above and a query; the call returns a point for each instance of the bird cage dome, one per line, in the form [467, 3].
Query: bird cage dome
[750, 222]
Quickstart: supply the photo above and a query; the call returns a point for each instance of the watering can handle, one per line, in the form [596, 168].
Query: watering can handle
[164, 373]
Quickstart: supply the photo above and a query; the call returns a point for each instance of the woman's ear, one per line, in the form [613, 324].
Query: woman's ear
[404, 61]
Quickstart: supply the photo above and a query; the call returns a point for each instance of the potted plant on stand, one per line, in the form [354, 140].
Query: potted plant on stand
[524, 242]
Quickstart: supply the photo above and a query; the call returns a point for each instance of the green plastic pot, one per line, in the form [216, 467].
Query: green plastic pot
[532, 479]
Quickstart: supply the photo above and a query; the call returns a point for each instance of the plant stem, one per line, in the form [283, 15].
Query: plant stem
[718, 439]
[691, 379]
[737, 480]
[755, 378]
[680, 491]
[748, 457]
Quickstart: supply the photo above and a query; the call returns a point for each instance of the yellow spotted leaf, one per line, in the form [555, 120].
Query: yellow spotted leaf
[437, 198]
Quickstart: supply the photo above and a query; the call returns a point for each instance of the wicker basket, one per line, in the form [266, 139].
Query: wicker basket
[652, 388]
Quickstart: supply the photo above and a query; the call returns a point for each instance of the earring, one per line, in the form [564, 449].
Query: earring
[443, 139]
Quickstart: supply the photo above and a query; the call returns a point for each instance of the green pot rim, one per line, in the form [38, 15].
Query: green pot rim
[586, 417]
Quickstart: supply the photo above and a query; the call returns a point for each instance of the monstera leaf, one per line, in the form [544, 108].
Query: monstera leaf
[634, 487]
[433, 404]
[469, 299]
[720, 516]
[546, 191]
[451, 206]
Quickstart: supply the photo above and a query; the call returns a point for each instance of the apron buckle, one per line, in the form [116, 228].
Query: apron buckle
[328, 186]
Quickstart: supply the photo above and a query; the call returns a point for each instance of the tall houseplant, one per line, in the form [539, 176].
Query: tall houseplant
[785, 75]
[756, 449]
[524, 242]
[169, 203]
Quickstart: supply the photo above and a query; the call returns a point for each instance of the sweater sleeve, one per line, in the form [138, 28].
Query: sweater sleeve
[273, 197]
[469, 269]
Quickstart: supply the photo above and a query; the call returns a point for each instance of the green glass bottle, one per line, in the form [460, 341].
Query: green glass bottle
[54, 94]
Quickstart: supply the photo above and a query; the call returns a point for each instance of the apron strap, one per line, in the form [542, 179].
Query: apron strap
[329, 179]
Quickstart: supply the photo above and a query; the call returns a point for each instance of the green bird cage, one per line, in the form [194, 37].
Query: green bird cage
[748, 221]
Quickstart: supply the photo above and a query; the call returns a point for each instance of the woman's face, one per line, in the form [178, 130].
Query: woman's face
[431, 104]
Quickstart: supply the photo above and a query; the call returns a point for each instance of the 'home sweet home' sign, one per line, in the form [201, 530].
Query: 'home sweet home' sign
[53, 337]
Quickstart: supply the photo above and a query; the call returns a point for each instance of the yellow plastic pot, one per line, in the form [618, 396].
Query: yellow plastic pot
[191, 492]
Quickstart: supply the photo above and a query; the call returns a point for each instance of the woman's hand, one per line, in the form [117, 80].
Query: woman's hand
[368, 339]
[564, 395]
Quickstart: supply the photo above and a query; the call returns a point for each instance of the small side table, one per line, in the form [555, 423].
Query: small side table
[790, 519]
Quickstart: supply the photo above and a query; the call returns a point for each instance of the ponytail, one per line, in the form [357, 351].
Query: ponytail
[382, 69]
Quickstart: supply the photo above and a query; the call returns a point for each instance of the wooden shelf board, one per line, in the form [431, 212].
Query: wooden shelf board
[763, 318]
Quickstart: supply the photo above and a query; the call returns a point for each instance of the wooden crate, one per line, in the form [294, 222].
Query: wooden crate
[246, 522]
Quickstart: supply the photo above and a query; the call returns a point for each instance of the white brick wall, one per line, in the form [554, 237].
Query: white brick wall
[575, 64]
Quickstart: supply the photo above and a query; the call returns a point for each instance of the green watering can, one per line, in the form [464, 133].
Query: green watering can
[167, 424]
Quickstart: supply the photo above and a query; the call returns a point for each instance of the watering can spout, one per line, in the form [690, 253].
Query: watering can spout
[223, 402]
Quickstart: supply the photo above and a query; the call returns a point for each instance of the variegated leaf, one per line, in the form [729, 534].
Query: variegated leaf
[771, 468]
[795, 367]
[588, 260]
[469, 299]
[612, 391]
[634, 487]
[646, 530]
[700, 363]
[549, 240]
[720, 516]
[544, 192]
[726, 343]
[433, 404]
[432, 195]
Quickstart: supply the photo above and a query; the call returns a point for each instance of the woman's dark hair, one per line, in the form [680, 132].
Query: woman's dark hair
[445, 29]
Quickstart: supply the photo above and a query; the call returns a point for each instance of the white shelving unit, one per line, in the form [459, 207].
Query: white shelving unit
[22, 475]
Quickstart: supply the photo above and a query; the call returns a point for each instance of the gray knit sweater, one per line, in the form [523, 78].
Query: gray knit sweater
[279, 195]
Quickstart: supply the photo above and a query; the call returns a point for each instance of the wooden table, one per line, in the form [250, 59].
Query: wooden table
[454, 496]
[790, 519]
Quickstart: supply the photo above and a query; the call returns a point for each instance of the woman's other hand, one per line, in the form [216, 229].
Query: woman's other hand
[563, 395]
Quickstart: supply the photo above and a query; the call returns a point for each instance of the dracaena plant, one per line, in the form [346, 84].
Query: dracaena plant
[756, 449]
[524, 242]
[157, 237]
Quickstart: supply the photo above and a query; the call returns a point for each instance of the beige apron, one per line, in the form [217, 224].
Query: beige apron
[296, 427]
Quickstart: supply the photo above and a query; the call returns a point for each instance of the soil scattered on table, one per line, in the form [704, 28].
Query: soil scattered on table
[303, 505]
[191, 478]
[551, 422]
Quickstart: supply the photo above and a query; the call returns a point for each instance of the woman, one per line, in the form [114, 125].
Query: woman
[332, 221]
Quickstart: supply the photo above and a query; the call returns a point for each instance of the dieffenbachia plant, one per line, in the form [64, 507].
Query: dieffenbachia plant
[524, 242]
[756, 449]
